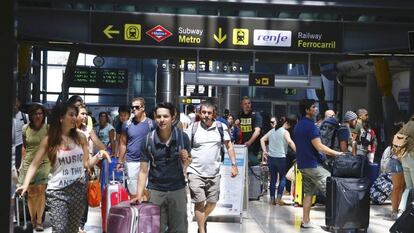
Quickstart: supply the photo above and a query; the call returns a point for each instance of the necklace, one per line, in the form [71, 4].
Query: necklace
[67, 142]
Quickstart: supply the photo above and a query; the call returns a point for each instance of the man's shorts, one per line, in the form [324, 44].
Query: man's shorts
[314, 179]
[132, 170]
[204, 188]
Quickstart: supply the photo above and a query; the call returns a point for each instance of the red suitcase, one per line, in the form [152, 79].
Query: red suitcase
[127, 217]
[114, 193]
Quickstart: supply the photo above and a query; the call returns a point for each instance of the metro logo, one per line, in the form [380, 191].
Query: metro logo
[159, 33]
[272, 38]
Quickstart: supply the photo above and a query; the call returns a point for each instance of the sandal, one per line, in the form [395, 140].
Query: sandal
[39, 227]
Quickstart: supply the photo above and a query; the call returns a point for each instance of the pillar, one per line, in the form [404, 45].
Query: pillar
[391, 112]
[168, 81]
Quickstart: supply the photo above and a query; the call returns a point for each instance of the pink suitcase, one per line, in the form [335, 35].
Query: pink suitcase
[114, 193]
[127, 217]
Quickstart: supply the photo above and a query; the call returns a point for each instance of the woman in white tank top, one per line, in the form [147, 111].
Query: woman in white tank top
[68, 153]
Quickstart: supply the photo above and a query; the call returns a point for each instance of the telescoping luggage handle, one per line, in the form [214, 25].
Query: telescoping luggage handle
[106, 167]
[123, 177]
[16, 197]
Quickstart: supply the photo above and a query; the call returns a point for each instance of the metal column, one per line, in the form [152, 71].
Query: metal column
[168, 81]
[36, 75]
[228, 96]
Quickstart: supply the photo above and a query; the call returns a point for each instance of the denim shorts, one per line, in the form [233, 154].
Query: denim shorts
[394, 166]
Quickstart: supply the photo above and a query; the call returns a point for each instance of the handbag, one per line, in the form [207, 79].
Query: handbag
[94, 192]
[350, 166]
[290, 175]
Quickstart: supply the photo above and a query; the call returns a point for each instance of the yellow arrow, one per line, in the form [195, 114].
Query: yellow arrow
[220, 37]
[108, 31]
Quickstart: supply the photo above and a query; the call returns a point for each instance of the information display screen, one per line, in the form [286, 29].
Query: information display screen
[99, 77]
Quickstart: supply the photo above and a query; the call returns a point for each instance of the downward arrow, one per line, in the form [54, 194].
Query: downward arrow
[220, 38]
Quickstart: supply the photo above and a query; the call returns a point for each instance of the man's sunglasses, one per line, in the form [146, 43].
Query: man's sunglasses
[135, 107]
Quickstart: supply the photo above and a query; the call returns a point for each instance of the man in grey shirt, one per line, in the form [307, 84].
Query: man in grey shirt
[204, 171]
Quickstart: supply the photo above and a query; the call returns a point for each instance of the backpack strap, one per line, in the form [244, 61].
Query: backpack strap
[220, 129]
[24, 117]
[179, 138]
[150, 124]
[128, 123]
[193, 131]
[149, 144]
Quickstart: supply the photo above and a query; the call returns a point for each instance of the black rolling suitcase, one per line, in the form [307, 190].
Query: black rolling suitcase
[25, 226]
[347, 204]
[405, 223]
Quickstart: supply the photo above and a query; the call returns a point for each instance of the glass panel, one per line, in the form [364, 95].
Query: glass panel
[52, 98]
[57, 57]
[54, 78]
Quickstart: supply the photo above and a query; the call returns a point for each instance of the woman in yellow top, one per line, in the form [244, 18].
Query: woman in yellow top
[33, 133]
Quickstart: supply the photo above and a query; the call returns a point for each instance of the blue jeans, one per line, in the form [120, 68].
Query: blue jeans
[277, 167]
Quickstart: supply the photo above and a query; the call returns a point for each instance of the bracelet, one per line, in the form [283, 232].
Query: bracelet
[99, 156]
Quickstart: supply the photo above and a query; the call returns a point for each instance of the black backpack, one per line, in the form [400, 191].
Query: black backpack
[328, 131]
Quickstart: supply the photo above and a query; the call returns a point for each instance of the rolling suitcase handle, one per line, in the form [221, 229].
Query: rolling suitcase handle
[123, 177]
[18, 211]
[106, 167]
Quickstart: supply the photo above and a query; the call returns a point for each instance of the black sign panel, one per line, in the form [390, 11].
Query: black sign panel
[261, 80]
[411, 41]
[99, 77]
[169, 30]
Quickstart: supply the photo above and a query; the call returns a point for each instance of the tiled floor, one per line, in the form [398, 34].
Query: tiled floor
[264, 218]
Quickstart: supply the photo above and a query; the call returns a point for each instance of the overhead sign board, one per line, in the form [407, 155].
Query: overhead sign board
[261, 80]
[85, 76]
[411, 41]
[215, 32]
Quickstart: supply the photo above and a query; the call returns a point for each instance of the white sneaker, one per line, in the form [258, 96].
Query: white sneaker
[307, 225]
[394, 216]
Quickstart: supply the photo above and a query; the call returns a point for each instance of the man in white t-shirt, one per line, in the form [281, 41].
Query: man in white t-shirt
[203, 172]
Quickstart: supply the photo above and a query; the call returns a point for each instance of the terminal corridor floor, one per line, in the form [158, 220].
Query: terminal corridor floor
[264, 218]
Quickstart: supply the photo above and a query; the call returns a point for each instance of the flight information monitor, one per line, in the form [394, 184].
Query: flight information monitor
[85, 76]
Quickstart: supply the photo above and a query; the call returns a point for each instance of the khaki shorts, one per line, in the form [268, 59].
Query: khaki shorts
[314, 179]
[204, 188]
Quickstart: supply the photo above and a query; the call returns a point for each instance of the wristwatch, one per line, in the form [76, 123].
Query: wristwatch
[233, 164]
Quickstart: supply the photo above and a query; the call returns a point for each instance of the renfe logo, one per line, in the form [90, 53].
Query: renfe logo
[272, 38]
[159, 33]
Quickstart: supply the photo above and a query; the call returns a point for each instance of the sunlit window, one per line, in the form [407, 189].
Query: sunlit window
[57, 61]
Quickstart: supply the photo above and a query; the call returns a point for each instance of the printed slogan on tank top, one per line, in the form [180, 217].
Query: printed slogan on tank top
[246, 125]
[71, 170]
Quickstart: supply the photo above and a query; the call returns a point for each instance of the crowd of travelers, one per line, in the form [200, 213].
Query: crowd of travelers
[174, 153]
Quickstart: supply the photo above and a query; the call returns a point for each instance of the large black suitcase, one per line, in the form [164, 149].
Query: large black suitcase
[347, 204]
[405, 223]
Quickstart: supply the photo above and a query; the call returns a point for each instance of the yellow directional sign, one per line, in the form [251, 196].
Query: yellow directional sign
[132, 32]
[108, 31]
[220, 38]
[261, 79]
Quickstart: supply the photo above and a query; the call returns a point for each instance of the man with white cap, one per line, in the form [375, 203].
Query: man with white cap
[346, 140]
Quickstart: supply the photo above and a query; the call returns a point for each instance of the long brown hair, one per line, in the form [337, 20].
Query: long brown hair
[55, 130]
